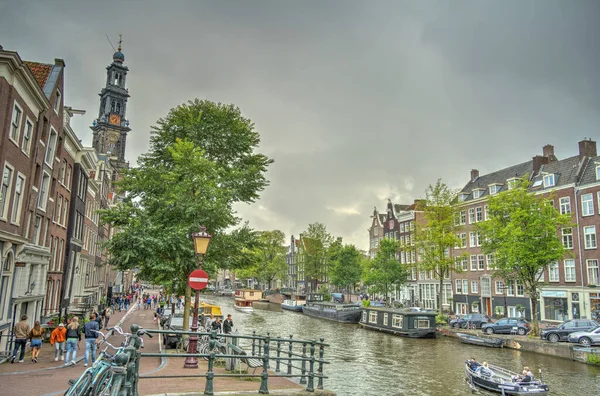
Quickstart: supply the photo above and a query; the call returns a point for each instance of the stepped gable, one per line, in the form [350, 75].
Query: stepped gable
[499, 177]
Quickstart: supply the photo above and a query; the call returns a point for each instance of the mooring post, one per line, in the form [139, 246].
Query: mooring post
[278, 364]
[290, 346]
[264, 378]
[303, 370]
[210, 375]
[311, 373]
[321, 355]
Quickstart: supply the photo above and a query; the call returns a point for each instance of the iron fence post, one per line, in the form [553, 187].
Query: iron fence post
[253, 342]
[321, 355]
[278, 361]
[303, 370]
[264, 379]
[260, 340]
[311, 373]
[290, 346]
[210, 375]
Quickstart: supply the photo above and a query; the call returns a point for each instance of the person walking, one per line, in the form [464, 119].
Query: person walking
[91, 336]
[106, 314]
[57, 340]
[228, 325]
[36, 334]
[21, 332]
[216, 325]
[73, 339]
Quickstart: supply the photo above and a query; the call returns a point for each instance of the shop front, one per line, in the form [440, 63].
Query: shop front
[595, 306]
[556, 305]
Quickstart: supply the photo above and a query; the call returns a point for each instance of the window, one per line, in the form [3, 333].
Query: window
[593, 275]
[364, 316]
[481, 262]
[463, 240]
[18, 199]
[494, 188]
[15, 124]
[565, 205]
[27, 135]
[549, 180]
[510, 289]
[567, 238]
[486, 286]
[43, 197]
[421, 323]
[589, 233]
[397, 321]
[7, 177]
[471, 216]
[499, 287]
[477, 193]
[490, 262]
[391, 224]
[587, 205]
[474, 287]
[37, 230]
[473, 262]
[512, 183]
[553, 274]
[463, 217]
[402, 227]
[58, 209]
[465, 286]
[412, 226]
[597, 172]
[485, 212]
[57, 102]
[385, 319]
[49, 159]
[68, 182]
[479, 214]
[459, 286]
[570, 270]
[372, 317]
[463, 196]
[63, 221]
[520, 289]
[473, 239]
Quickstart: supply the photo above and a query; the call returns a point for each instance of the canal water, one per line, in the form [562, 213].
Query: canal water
[365, 362]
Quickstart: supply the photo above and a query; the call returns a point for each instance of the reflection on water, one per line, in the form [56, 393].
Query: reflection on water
[367, 362]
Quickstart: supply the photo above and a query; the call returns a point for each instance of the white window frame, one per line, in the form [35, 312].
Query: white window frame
[474, 287]
[465, 286]
[463, 197]
[512, 182]
[499, 285]
[565, 205]
[587, 205]
[57, 104]
[593, 243]
[27, 142]
[458, 286]
[494, 188]
[480, 262]
[549, 180]
[463, 217]
[397, 321]
[17, 206]
[6, 199]
[595, 279]
[385, 319]
[373, 317]
[16, 129]
[553, 272]
[479, 214]
[598, 172]
[46, 192]
[477, 193]
[569, 268]
[567, 238]
[51, 148]
[473, 262]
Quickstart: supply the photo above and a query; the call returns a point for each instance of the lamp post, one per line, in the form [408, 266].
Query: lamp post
[201, 241]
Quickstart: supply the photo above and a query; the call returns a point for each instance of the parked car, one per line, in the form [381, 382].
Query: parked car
[506, 325]
[561, 333]
[586, 338]
[476, 320]
[175, 322]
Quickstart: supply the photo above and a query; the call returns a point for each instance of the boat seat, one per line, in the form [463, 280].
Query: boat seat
[251, 363]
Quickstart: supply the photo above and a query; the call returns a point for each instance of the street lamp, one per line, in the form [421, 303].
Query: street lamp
[201, 241]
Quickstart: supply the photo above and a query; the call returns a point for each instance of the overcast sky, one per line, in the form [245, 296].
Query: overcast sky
[357, 101]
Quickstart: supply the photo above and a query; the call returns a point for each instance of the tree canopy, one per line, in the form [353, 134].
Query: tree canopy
[315, 244]
[384, 270]
[267, 258]
[346, 265]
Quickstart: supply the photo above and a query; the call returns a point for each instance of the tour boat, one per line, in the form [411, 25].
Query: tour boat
[207, 309]
[400, 322]
[500, 380]
[294, 303]
[345, 313]
[474, 340]
[243, 305]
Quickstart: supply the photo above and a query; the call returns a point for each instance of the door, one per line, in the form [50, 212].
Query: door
[575, 310]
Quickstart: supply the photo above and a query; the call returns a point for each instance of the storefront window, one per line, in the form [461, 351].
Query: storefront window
[555, 308]
[595, 305]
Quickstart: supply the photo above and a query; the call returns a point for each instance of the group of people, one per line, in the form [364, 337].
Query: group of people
[484, 370]
[23, 332]
[214, 323]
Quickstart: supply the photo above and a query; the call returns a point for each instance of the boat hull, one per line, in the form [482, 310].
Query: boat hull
[243, 309]
[503, 385]
[428, 333]
[402, 323]
[486, 342]
[350, 316]
[295, 308]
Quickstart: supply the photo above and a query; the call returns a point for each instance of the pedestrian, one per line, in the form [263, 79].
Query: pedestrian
[228, 325]
[139, 303]
[107, 312]
[73, 340]
[99, 320]
[36, 334]
[57, 340]
[216, 325]
[127, 302]
[21, 332]
[91, 336]
[209, 321]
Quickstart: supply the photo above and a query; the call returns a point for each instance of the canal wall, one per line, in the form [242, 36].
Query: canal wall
[537, 345]
[267, 306]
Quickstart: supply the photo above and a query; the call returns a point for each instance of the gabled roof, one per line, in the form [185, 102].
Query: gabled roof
[40, 71]
[565, 172]
[589, 173]
[382, 218]
[498, 177]
[400, 208]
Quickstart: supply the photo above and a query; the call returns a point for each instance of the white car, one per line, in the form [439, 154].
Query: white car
[586, 338]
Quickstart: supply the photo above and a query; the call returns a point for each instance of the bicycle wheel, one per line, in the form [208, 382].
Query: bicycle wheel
[103, 384]
[82, 385]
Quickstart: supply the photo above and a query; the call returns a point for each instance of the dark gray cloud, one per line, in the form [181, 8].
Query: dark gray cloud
[356, 101]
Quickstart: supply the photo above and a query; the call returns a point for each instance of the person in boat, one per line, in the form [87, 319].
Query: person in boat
[484, 370]
[473, 364]
[529, 373]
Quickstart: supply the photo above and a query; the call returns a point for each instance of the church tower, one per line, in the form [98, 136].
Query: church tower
[111, 127]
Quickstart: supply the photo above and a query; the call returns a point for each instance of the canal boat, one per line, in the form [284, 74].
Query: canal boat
[345, 313]
[500, 380]
[399, 322]
[294, 303]
[205, 308]
[474, 340]
[243, 305]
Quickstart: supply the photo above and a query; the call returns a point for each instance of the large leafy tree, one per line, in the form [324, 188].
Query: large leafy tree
[201, 162]
[316, 242]
[385, 271]
[436, 236]
[522, 233]
[346, 265]
[268, 258]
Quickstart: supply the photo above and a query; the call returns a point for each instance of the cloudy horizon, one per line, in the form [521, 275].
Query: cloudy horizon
[356, 102]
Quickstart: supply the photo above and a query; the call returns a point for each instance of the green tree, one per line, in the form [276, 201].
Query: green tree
[385, 271]
[522, 234]
[268, 258]
[437, 235]
[346, 269]
[201, 162]
[316, 241]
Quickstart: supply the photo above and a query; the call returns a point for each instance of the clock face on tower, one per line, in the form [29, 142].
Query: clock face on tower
[115, 119]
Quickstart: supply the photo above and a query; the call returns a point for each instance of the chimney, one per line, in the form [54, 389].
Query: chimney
[587, 148]
[538, 161]
[59, 62]
[474, 174]
[548, 151]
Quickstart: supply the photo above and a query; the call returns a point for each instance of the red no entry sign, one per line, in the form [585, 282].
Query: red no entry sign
[198, 279]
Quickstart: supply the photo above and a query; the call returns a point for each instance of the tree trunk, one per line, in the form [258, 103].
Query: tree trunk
[440, 295]
[186, 308]
[535, 331]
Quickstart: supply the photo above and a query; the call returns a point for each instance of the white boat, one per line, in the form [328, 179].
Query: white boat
[243, 305]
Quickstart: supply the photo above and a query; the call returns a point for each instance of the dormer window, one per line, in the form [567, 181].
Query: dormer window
[512, 183]
[463, 196]
[549, 180]
[495, 188]
[597, 171]
[477, 193]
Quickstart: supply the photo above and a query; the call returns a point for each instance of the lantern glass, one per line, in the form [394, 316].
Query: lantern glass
[201, 243]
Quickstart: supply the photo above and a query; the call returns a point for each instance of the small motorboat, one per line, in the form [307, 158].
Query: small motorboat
[500, 380]
[474, 340]
[243, 305]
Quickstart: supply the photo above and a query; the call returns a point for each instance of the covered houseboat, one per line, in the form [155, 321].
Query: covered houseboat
[345, 313]
[399, 322]
[294, 302]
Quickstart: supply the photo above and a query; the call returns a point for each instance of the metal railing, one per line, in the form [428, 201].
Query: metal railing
[286, 352]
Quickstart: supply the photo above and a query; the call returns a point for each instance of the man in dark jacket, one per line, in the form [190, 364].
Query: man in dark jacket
[228, 325]
[90, 339]
[216, 325]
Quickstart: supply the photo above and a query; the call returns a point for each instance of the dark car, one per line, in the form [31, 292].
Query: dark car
[561, 333]
[518, 326]
[475, 320]
[175, 322]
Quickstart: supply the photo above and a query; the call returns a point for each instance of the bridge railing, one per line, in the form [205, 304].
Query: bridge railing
[302, 359]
